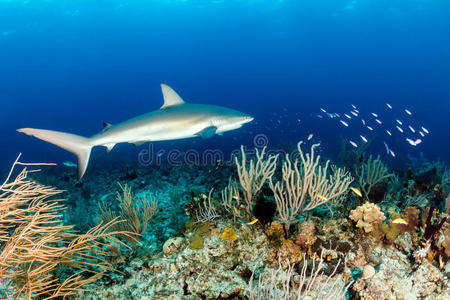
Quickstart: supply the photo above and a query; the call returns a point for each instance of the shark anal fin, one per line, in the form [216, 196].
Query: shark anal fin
[106, 126]
[109, 147]
[171, 98]
[208, 132]
[138, 143]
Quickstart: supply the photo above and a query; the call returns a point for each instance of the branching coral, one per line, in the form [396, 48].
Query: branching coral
[231, 200]
[280, 284]
[253, 175]
[306, 185]
[373, 172]
[135, 212]
[208, 211]
[34, 244]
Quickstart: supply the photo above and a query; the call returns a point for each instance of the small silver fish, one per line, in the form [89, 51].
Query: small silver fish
[421, 134]
[363, 138]
[425, 130]
[363, 121]
[344, 123]
[388, 132]
[400, 129]
[354, 107]
[411, 142]
[353, 113]
[323, 110]
[310, 136]
[408, 112]
[388, 105]
[375, 115]
[392, 153]
[353, 144]
[70, 164]
[347, 116]
[387, 147]
[378, 121]
[370, 128]
[399, 122]
[412, 129]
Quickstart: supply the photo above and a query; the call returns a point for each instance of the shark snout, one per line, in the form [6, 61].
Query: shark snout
[247, 118]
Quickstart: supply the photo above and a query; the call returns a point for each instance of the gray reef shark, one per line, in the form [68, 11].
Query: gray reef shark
[174, 120]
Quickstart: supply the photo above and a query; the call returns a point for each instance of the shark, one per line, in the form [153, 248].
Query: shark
[176, 119]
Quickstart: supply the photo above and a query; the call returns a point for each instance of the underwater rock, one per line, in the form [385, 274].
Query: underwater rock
[404, 242]
[129, 175]
[396, 279]
[426, 177]
[288, 252]
[367, 216]
[276, 228]
[443, 242]
[391, 231]
[275, 233]
[306, 236]
[368, 272]
[426, 279]
[172, 245]
[196, 243]
[357, 259]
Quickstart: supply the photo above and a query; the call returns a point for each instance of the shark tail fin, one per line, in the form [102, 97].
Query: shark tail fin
[78, 145]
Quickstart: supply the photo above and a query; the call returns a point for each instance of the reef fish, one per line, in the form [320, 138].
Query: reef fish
[399, 221]
[356, 191]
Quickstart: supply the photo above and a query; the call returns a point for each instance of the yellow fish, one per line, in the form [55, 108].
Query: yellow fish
[322, 197]
[252, 222]
[235, 209]
[356, 191]
[399, 221]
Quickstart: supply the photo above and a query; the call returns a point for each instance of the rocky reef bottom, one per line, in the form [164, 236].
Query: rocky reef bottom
[214, 232]
[218, 260]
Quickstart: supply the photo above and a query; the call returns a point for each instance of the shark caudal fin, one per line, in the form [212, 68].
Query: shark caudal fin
[78, 145]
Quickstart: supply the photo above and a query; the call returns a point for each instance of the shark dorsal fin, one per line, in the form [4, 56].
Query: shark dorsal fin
[106, 126]
[171, 98]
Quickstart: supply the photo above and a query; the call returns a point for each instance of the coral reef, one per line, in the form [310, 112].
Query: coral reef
[255, 230]
[367, 216]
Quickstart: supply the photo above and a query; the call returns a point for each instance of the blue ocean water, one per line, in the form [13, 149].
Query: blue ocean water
[70, 65]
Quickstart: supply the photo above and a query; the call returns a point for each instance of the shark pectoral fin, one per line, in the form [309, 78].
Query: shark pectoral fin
[109, 147]
[208, 132]
[138, 143]
[106, 126]
[171, 98]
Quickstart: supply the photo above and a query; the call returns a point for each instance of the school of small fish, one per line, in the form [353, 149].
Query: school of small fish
[374, 121]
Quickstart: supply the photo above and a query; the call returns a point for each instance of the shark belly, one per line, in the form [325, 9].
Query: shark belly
[154, 128]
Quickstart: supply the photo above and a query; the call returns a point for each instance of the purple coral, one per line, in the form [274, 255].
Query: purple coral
[431, 230]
